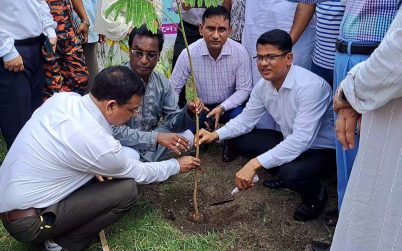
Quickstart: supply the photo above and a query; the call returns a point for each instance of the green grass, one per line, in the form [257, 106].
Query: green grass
[142, 229]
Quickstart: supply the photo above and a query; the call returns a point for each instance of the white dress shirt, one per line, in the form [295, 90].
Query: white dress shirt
[226, 80]
[21, 19]
[302, 108]
[65, 143]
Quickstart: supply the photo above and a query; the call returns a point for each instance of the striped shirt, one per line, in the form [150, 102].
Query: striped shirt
[365, 20]
[329, 17]
[226, 81]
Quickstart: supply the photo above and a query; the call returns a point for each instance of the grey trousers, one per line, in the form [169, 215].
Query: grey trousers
[74, 222]
[91, 60]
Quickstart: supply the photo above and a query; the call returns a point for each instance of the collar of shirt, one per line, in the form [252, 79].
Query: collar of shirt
[289, 80]
[98, 115]
[287, 83]
[226, 49]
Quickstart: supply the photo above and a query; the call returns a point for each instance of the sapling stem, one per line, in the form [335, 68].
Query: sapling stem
[197, 215]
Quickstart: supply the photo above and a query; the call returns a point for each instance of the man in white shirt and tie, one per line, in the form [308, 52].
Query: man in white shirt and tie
[301, 104]
[45, 189]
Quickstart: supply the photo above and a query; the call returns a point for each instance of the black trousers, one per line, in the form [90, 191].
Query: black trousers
[300, 175]
[192, 34]
[21, 92]
[76, 221]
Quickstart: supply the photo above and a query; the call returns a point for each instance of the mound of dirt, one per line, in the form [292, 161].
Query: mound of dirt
[261, 217]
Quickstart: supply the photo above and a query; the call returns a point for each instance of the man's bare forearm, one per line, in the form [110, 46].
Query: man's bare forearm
[79, 8]
[304, 13]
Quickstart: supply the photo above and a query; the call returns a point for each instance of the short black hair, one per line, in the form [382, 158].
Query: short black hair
[216, 11]
[117, 83]
[144, 31]
[278, 38]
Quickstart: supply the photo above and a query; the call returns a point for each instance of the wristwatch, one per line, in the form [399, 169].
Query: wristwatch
[86, 22]
[222, 108]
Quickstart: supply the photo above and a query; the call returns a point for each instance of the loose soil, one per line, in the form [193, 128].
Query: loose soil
[261, 218]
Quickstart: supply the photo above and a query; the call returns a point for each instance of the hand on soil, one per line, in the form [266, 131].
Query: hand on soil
[205, 137]
[188, 163]
[173, 141]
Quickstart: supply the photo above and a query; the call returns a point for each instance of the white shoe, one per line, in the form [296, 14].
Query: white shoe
[50, 245]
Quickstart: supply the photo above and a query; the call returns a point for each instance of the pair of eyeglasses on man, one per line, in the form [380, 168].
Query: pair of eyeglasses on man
[136, 110]
[269, 57]
[140, 54]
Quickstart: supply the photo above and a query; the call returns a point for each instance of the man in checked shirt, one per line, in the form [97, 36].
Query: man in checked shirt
[222, 71]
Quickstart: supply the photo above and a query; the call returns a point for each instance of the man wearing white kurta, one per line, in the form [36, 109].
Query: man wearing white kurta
[61, 148]
[371, 215]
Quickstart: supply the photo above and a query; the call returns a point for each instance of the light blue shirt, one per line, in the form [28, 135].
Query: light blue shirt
[90, 7]
[302, 108]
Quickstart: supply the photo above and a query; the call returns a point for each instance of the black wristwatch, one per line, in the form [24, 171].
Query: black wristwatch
[222, 108]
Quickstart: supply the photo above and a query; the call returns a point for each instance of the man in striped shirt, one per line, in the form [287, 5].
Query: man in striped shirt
[222, 70]
[329, 16]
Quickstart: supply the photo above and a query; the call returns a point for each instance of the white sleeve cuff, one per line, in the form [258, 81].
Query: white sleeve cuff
[11, 55]
[174, 163]
[50, 32]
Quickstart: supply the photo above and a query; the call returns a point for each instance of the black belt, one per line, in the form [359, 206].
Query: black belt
[364, 49]
[30, 41]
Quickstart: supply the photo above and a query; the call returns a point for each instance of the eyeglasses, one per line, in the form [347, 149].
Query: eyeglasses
[139, 54]
[268, 57]
[136, 110]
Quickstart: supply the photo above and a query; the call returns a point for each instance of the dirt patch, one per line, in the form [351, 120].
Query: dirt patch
[261, 218]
